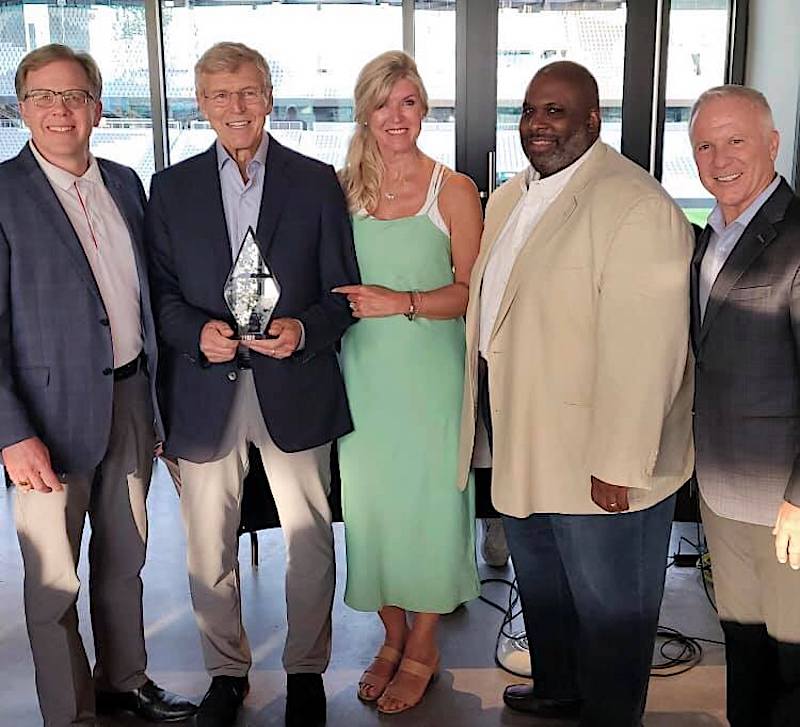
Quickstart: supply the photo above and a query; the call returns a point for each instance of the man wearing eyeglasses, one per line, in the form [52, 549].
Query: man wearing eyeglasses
[77, 415]
[284, 394]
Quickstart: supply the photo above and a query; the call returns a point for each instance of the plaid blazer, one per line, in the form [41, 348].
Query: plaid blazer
[747, 352]
[55, 345]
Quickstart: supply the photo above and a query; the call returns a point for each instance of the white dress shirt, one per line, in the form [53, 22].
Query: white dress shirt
[106, 241]
[539, 193]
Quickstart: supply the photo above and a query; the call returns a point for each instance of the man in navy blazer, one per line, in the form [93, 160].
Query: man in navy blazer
[284, 394]
[77, 416]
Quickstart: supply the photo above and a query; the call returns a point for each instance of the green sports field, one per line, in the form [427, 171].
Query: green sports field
[697, 216]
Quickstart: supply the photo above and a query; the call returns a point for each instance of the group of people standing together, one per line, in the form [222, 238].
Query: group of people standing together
[558, 332]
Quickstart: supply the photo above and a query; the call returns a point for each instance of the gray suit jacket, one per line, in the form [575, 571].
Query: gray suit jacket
[747, 350]
[56, 356]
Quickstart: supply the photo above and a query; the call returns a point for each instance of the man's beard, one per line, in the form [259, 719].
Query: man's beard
[562, 155]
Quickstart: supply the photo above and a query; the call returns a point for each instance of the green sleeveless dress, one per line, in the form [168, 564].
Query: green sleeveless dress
[410, 533]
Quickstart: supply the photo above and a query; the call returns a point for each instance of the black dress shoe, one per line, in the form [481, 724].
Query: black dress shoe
[222, 701]
[305, 700]
[149, 702]
[520, 697]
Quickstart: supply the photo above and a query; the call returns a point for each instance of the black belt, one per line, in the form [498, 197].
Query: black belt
[129, 369]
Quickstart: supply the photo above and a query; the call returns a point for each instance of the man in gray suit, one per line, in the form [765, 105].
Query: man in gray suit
[746, 336]
[77, 423]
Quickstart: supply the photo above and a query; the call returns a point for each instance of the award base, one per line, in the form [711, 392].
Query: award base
[254, 337]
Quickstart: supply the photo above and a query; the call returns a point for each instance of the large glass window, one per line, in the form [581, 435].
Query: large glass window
[317, 47]
[533, 33]
[435, 54]
[313, 60]
[114, 33]
[695, 62]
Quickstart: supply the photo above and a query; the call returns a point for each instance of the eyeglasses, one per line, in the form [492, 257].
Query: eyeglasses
[249, 96]
[73, 98]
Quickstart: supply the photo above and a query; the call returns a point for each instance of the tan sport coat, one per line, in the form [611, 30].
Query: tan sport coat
[590, 371]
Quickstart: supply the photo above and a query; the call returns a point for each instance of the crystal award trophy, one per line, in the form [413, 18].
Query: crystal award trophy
[251, 291]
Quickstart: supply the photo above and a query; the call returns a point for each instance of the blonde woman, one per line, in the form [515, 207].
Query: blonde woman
[409, 531]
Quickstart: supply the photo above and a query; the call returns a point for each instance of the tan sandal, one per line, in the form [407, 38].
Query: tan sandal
[409, 695]
[379, 673]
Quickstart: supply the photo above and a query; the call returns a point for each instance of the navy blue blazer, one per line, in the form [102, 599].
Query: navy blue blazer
[56, 356]
[306, 238]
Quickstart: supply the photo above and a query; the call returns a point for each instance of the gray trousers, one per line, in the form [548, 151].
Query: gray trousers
[211, 498]
[50, 526]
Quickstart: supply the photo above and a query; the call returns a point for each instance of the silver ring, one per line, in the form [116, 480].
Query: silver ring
[352, 305]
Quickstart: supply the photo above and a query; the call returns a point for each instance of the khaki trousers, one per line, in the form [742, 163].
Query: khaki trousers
[211, 497]
[49, 527]
[758, 600]
[750, 585]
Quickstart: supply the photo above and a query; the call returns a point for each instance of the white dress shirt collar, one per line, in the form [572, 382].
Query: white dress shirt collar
[552, 185]
[63, 179]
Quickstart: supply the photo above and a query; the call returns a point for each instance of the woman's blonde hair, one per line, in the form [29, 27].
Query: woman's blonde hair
[363, 169]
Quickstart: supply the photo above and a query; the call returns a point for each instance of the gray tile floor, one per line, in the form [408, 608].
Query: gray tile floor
[468, 692]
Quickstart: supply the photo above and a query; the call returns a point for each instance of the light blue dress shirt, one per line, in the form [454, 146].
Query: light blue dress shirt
[722, 241]
[241, 200]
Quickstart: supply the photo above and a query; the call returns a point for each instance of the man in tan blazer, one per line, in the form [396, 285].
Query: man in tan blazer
[578, 350]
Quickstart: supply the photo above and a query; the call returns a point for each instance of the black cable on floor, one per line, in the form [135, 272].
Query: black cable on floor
[508, 611]
[679, 652]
